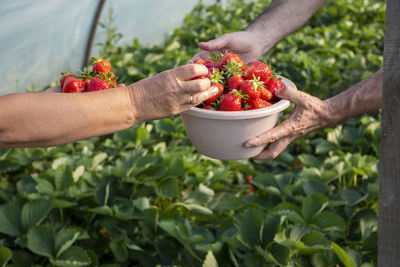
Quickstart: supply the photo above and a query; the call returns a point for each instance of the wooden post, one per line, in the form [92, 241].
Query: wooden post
[389, 162]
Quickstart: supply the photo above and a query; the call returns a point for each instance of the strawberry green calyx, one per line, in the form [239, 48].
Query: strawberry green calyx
[215, 76]
[65, 73]
[233, 68]
[216, 56]
[239, 93]
[257, 83]
[108, 77]
[86, 73]
[93, 60]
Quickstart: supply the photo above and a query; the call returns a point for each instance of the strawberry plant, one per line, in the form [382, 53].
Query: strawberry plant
[144, 197]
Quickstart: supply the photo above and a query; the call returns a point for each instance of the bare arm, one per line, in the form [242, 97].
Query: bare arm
[48, 119]
[311, 113]
[280, 19]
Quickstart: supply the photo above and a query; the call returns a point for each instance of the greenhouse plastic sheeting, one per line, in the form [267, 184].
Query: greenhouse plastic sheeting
[39, 39]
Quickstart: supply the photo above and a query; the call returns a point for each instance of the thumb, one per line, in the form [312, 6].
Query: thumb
[291, 93]
[216, 44]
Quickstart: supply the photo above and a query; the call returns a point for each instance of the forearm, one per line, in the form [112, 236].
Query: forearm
[363, 97]
[48, 119]
[282, 18]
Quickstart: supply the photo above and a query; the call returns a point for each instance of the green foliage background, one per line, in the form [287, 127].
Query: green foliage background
[145, 197]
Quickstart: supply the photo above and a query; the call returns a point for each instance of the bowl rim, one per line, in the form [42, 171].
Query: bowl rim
[246, 114]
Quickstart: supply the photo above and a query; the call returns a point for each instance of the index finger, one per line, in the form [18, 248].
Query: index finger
[189, 71]
[282, 130]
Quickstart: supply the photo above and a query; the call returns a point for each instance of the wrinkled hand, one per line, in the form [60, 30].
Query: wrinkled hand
[170, 92]
[245, 44]
[310, 113]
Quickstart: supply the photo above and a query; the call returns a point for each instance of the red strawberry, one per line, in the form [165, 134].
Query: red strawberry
[266, 94]
[251, 88]
[274, 84]
[101, 66]
[249, 178]
[97, 84]
[215, 97]
[259, 103]
[258, 69]
[198, 77]
[207, 107]
[211, 64]
[200, 61]
[65, 76]
[231, 102]
[86, 81]
[73, 85]
[230, 57]
[235, 82]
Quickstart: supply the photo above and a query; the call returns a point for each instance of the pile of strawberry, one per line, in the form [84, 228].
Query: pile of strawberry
[240, 86]
[98, 76]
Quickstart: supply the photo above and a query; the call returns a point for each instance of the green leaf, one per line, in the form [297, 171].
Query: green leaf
[142, 203]
[343, 256]
[180, 232]
[198, 209]
[74, 256]
[269, 229]
[119, 250]
[210, 260]
[176, 167]
[319, 260]
[314, 239]
[34, 212]
[351, 195]
[309, 160]
[329, 221]
[313, 205]
[64, 240]
[5, 256]
[22, 258]
[65, 180]
[10, 219]
[61, 203]
[104, 210]
[98, 159]
[249, 225]
[41, 241]
[203, 194]
[168, 188]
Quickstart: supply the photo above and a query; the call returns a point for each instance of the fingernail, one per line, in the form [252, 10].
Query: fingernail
[278, 92]
[214, 90]
[249, 144]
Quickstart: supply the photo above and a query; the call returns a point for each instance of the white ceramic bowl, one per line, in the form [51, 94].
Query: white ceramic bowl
[221, 134]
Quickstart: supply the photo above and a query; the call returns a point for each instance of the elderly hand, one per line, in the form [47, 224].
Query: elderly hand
[245, 44]
[310, 113]
[170, 92]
